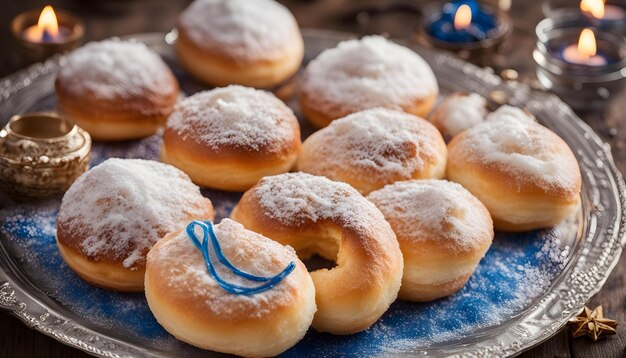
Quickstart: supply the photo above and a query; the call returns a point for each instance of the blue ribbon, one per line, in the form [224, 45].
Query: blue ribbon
[209, 233]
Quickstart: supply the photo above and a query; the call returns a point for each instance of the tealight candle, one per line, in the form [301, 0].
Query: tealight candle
[609, 15]
[585, 52]
[584, 67]
[597, 9]
[47, 29]
[466, 27]
[40, 35]
[462, 22]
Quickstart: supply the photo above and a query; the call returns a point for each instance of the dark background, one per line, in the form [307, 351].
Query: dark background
[400, 19]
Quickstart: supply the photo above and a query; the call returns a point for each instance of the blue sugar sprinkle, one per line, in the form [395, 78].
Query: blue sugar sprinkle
[209, 233]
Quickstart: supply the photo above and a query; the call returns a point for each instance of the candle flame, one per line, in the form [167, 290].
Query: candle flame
[587, 43]
[595, 7]
[48, 21]
[463, 17]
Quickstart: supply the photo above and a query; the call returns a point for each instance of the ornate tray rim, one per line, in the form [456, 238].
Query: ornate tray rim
[583, 277]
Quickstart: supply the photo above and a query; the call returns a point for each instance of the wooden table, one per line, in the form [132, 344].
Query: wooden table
[107, 18]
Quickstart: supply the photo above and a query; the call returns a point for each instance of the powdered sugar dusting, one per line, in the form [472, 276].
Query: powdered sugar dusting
[458, 112]
[388, 145]
[512, 113]
[186, 272]
[511, 140]
[248, 30]
[418, 208]
[113, 69]
[293, 198]
[29, 231]
[235, 116]
[121, 207]
[515, 272]
[517, 269]
[367, 73]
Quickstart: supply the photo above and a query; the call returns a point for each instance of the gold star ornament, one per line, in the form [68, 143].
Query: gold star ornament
[592, 324]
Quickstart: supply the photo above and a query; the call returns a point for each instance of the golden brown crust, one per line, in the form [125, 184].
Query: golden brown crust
[189, 144]
[354, 294]
[231, 175]
[368, 73]
[433, 270]
[220, 68]
[517, 201]
[443, 232]
[309, 103]
[113, 214]
[213, 156]
[358, 150]
[429, 244]
[196, 310]
[131, 117]
[360, 245]
[430, 292]
[523, 185]
[105, 274]
[73, 239]
[421, 107]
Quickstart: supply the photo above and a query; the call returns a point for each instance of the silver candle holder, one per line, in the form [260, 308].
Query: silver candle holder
[583, 87]
[480, 52]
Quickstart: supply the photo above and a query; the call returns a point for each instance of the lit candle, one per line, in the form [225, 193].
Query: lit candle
[47, 29]
[585, 52]
[40, 34]
[597, 9]
[463, 21]
[583, 67]
[463, 18]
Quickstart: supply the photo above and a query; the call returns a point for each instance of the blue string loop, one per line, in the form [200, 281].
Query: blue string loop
[209, 234]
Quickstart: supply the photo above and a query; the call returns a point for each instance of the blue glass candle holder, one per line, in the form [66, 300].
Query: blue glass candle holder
[487, 31]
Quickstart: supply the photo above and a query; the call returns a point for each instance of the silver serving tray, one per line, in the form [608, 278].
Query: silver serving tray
[594, 252]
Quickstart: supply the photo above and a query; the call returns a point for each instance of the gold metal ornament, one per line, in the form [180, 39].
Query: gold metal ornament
[41, 154]
[592, 324]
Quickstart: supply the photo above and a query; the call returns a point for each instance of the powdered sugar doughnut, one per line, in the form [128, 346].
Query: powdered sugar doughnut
[190, 303]
[458, 112]
[316, 215]
[443, 231]
[116, 89]
[113, 214]
[367, 73]
[525, 174]
[228, 138]
[249, 42]
[375, 147]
